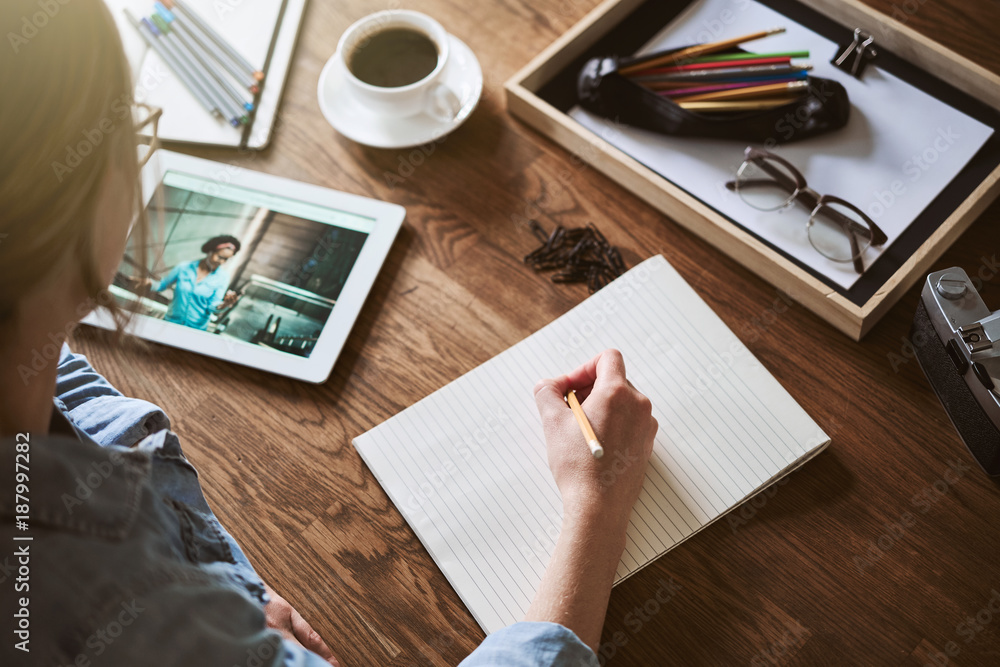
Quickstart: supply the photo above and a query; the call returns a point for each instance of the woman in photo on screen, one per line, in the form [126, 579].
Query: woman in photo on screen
[123, 541]
[201, 286]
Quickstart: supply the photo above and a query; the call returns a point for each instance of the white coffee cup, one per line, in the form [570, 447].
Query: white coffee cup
[428, 95]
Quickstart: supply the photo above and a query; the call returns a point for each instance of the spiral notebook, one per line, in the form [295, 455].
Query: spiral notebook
[466, 466]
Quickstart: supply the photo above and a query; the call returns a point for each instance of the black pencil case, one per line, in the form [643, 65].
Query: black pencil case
[602, 90]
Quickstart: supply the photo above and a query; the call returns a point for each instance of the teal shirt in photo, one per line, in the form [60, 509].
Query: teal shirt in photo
[193, 302]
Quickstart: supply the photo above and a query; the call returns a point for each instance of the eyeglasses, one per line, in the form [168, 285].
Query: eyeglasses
[146, 120]
[837, 229]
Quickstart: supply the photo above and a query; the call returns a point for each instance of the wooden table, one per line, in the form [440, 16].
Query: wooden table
[784, 585]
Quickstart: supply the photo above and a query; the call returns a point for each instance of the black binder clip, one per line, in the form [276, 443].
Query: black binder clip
[857, 54]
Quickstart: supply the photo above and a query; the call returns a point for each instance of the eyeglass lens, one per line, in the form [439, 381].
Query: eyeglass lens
[829, 237]
[837, 232]
[764, 184]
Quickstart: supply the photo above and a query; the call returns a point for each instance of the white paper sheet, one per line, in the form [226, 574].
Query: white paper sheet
[467, 468]
[899, 150]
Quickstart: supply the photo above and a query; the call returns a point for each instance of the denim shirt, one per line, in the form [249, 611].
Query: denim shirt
[194, 301]
[127, 564]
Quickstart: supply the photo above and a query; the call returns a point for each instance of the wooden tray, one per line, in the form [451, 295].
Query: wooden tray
[852, 311]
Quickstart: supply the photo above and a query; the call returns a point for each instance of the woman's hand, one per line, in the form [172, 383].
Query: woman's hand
[604, 489]
[282, 617]
[140, 284]
[597, 494]
[230, 299]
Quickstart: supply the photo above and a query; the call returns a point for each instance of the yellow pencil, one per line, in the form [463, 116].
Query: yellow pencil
[588, 430]
[764, 90]
[738, 105]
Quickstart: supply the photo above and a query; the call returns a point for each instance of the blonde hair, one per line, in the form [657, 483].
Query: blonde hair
[65, 125]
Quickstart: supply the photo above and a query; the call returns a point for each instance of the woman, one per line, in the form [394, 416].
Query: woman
[201, 286]
[127, 563]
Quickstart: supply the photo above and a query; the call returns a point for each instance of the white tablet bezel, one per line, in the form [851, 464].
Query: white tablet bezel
[388, 218]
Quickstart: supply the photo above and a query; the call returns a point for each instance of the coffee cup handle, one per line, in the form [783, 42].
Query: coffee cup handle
[442, 103]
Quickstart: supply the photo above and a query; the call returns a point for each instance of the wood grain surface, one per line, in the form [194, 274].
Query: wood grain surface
[794, 579]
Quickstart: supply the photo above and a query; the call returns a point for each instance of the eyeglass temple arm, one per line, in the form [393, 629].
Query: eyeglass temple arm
[781, 179]
[878, 236]
[856, 254]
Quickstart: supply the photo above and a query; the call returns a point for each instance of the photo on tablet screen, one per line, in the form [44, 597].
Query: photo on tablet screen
[241, 264]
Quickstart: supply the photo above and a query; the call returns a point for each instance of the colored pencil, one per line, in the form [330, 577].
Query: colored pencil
[655, 60]
[585, 427]
[181, 65]
[738, 105]
[223, 44]
[191, 28]
[752, 91]
[194, 49]
[236, 115]
[684, 88]
[710, 66]
[739, 56]
[150, 37]
[722, 72]
[720, 86]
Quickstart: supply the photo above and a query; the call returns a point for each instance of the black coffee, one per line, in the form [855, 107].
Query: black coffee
[394, 57]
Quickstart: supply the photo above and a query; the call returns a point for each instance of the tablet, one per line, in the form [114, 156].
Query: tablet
[250, 268]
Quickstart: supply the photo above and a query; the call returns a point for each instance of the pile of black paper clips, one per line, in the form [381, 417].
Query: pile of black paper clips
[580, 255]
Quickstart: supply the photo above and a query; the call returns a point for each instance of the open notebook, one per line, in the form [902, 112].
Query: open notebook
[466, 466]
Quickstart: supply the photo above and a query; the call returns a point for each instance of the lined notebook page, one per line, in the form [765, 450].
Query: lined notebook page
[467, 468]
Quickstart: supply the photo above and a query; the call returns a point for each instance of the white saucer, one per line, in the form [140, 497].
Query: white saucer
[462, 75]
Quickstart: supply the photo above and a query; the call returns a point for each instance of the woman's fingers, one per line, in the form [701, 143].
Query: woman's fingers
[311, 639]
[608, 366]
[284, 618]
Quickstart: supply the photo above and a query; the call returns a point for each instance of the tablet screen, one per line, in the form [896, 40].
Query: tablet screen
[250, 267]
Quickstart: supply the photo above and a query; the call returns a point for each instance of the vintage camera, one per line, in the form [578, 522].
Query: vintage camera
[956, 339]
